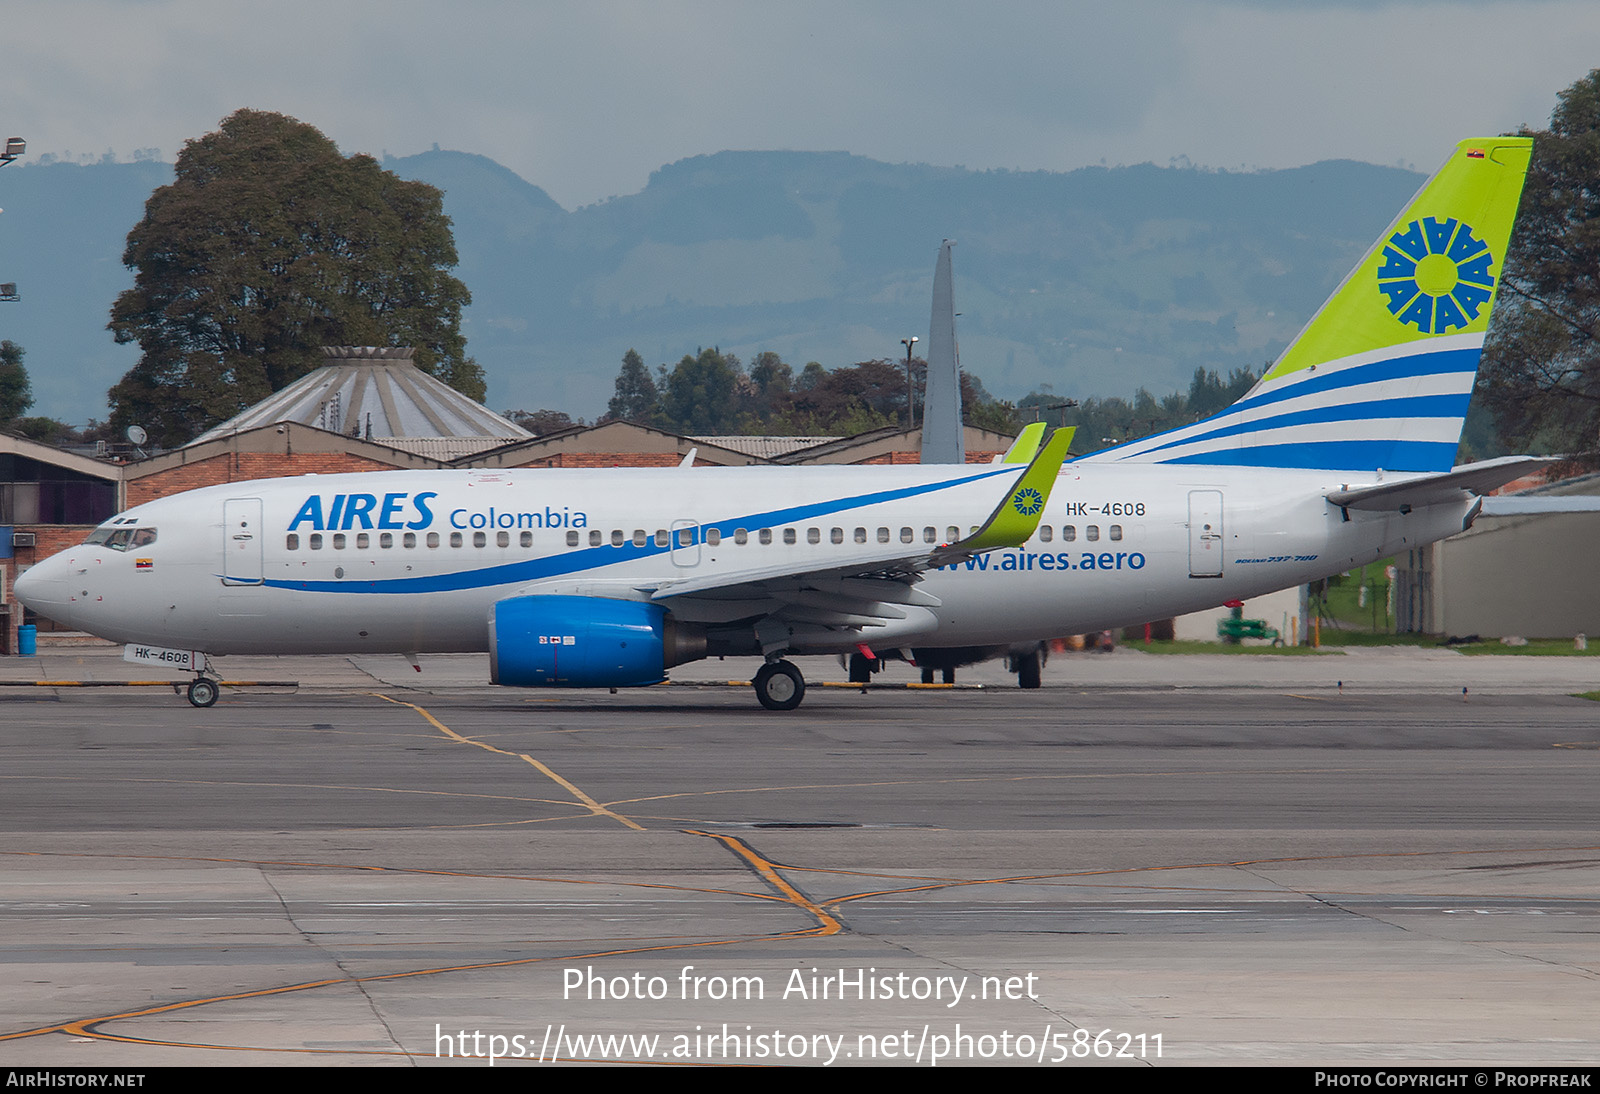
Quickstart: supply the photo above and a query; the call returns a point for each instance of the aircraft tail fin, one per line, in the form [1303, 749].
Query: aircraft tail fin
[1382, 375]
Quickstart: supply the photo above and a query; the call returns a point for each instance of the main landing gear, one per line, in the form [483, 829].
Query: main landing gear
[779, 685]
[1029, 667]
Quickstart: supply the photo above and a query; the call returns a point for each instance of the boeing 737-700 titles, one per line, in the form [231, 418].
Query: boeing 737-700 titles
[1342, 454]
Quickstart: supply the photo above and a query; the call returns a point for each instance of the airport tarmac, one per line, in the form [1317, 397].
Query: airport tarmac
[1151, 861]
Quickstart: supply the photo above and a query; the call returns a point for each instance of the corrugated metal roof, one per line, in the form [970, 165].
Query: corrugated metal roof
[765, 447]
[374, 392]
[444, 449]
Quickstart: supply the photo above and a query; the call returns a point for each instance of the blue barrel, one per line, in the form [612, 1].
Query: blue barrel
[27, 640]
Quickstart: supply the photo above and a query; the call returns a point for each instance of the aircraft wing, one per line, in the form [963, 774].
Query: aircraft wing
[871, 589]
[1450, 486]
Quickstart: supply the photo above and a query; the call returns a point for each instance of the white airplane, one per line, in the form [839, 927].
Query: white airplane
[1340, 455]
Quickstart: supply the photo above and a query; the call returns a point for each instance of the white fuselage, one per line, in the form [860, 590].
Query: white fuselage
[413, 561]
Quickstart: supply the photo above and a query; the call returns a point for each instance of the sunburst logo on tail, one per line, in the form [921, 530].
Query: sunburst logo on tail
[1436, 275]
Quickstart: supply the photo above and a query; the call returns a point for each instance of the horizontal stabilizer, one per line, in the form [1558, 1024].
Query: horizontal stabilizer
[1451, 486]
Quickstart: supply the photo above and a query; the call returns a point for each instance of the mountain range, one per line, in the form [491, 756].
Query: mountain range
[1094, 282]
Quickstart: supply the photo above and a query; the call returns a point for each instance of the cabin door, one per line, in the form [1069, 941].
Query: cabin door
[1205, 533]
[241, 541]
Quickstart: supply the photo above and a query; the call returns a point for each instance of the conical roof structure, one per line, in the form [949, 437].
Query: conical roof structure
[377, 394]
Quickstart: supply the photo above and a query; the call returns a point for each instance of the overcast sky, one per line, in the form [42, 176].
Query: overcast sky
[586, 99]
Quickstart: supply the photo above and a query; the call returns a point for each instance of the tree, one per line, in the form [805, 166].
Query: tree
[268, 245]
[637, 397]
[16, 393]
[705, 394]
[1541, 373]
[543, 422]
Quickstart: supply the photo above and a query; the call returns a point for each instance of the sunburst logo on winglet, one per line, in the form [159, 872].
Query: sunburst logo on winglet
[1436, 275]
[1028, 501]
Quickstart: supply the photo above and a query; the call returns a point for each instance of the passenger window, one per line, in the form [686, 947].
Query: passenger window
[1069, 533]
[316, 541]
[572, 539]
[480, 539]
[765, 536]
[595, 537]
[951, 534]
[502, 538]
[293, 542]
[455, 539]
[930, 534]
[907, 535]
[740, 536]
[861, 535]
[883, 535]
[338, 541]
[813, 535]
[789, 536]
[713, 536]
[617, 537]
[526, 539]
[685, 537]
[363, 541]
[409, 539]
[1092, 533]
[1046, 533]
[836, 536]
[1116, 531]
[639, 537]
[433, 539]
[386, 540]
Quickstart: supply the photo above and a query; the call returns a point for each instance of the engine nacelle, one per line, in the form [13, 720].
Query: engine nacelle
[585, 642]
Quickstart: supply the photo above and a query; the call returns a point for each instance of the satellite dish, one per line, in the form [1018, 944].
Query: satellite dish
[136, 435]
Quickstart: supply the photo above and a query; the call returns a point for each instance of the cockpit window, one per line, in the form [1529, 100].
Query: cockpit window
[121, 539]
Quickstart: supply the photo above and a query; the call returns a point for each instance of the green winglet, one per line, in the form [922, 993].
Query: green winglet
[1026, 446]
[1013, 521]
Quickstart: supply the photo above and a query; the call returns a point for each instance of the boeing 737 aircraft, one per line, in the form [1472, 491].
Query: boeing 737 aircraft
[1340, 455]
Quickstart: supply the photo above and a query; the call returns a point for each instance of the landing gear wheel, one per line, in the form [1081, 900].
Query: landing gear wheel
[203, 692]
[1028, 670]
[860, 669]
[779, 686]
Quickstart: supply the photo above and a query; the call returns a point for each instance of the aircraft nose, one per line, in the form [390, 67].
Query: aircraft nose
[43, 589]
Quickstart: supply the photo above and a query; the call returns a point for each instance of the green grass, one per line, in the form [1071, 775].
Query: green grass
[1536, 647]
[1342, 609]
[1331, 637]
[1191, 646]
[1340, 640]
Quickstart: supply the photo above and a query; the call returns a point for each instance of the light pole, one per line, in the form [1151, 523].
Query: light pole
[15, 147]
[911, 406]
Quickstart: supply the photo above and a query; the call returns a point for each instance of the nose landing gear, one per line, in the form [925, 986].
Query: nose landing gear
[203, 692]
[203, 689]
